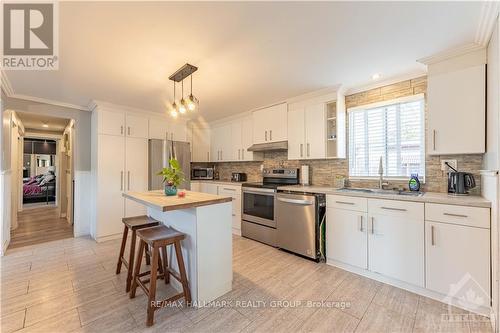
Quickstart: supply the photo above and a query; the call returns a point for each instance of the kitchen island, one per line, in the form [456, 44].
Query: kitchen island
[206, 219]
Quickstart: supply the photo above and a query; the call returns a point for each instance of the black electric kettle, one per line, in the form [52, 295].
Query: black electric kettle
[459, 183]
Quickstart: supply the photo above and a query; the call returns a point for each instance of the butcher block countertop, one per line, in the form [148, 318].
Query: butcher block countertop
[158, 200]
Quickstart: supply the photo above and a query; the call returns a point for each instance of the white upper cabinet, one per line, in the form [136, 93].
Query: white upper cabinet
[270, 124]
[178, 131]
[136, 126]
[158, 128]
[456, 94]
[221, 147]
[236, 141]
[296, 132]
[111, 122]
[200, 144]
[315, 144]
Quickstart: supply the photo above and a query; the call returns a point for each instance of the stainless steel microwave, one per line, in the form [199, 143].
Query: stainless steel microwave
[202, 173]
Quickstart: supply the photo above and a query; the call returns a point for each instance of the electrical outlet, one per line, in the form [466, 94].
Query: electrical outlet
[453, 163]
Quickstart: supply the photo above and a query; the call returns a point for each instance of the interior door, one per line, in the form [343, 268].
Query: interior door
[346, 237]
[136, 176]
[396, 247]
[296, 133]
[315, 125]
[111, 174]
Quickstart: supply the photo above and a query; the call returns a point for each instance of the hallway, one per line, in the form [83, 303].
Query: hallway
[39, 225]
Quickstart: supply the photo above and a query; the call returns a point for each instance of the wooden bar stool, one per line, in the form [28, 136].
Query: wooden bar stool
[158, 238]
[133, 223]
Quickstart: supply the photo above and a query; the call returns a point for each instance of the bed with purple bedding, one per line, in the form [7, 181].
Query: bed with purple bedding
[39, 188]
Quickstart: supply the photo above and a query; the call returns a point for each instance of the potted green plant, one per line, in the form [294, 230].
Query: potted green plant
[172, 177]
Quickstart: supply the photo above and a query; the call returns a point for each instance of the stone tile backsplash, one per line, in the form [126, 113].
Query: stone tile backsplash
[323, 172]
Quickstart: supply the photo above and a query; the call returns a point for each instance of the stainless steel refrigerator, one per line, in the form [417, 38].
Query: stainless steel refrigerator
[160, 152]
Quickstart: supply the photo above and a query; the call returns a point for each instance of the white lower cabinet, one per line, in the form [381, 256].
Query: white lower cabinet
[396, 240]
[136, 175]
[346, 237]
[456, 252]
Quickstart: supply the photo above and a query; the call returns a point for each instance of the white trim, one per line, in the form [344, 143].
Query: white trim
[451, 53]
[485, 311]
[388, 102]
[488, 173]
[489, 14]
[386, 82]
[50, 102]
[317, 93]
[6, 86]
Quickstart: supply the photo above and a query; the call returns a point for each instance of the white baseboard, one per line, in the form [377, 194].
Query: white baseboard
[236, 231]
[108, 238]
[4, 247]
[484, 311]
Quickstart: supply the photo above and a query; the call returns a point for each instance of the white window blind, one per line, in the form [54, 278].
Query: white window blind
[394, 131]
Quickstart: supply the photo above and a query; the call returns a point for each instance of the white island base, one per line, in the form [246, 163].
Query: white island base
[207, 248]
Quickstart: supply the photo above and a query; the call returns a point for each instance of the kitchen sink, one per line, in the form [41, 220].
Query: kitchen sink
[380, 191]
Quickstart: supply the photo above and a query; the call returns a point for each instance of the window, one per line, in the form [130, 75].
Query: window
[395, 132]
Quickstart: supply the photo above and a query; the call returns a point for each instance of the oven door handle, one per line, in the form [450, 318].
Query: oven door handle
[297, 202]
[261, 192]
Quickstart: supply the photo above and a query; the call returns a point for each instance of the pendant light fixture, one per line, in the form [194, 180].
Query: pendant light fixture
[192, 102]
[182, 104]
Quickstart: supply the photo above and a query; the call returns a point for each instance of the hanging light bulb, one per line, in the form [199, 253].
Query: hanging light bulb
[182, 104]
[192, 101]
[173, 111]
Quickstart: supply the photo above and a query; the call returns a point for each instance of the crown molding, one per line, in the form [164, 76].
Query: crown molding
[6, 86]
[451, 53]
[50, 102]
[489, 14]
[95, 104]
[385, 82]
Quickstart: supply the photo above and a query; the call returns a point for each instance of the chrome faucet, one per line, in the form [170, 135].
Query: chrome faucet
[381, 182]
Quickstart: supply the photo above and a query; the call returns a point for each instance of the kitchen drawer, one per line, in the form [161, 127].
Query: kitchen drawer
[462, 215]
[414, 210]
[345, 202]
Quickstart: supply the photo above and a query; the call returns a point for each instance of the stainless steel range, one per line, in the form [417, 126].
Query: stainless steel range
[259, 204]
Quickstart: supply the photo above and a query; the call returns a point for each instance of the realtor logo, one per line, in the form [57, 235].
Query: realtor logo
[30, 35]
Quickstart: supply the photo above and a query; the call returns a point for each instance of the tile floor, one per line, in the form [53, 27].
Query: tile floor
[70, 285]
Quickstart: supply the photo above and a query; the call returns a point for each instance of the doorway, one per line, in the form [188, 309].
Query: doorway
[43, 179]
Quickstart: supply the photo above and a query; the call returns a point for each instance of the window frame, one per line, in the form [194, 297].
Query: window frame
[399, 100]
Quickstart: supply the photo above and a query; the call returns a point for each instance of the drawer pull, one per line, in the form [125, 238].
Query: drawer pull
[229, 189]
[397, 209]
[345, 202]
[455, 215]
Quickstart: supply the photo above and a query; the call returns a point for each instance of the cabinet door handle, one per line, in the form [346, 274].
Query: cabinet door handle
[455, 215]
[266, 136]
[221, 154]
[121, 129]
[373, 225]
[432, 236]
[308, 149]
[208, 156]
[172, 136]
[391, 208]
[121, 180]
[128, 130]
[128, 180]
[361, 223]
[301, 149]
[344, 202]
[270, 135]
[239, 153]
[229, 189]
[433, 139]
[166, 135]
[243, 154]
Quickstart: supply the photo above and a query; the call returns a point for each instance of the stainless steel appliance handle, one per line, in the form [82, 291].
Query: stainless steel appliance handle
[345, 202]
[268, 192]
[301, 149]
[391, 208]
[121, 180]
[432, 236]
[128, 180]
[455, 215]
[296, 202]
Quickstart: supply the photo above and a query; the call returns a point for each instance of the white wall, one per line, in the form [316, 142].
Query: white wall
[82, 156]
[490, 184]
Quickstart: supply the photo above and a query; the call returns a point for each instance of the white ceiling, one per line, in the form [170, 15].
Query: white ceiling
[35, 122]
[248, 54]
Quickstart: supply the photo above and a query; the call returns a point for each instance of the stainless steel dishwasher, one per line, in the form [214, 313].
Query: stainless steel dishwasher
[300, 219]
